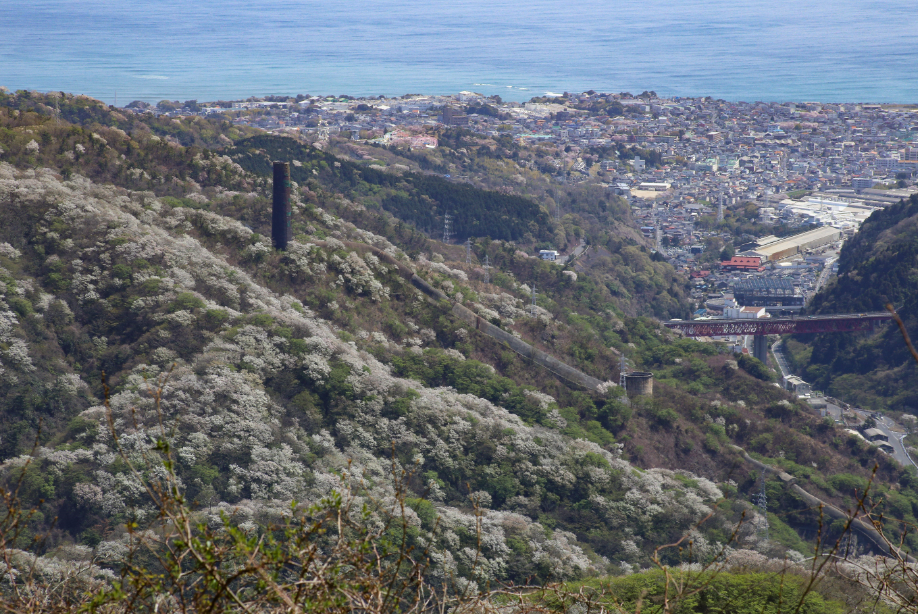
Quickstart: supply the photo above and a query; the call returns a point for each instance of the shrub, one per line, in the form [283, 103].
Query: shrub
[121, 271]
[711, 443]
[401, 405]
[847, 484]
[151, 286]
[263, 320]
[20, 305]
[614, 414]
[215, 318]
[663, 416]
[425, 511]
[755, 368]
[186, 301]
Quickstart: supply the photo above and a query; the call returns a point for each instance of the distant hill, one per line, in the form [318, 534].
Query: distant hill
[879, 265]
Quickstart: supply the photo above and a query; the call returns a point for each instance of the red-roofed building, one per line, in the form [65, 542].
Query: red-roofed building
[743, 263]
[700, 274]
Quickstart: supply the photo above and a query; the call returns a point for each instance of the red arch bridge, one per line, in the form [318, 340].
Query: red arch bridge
[839, 323]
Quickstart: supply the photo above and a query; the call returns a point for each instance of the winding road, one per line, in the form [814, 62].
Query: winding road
[896, 434]
[577, 251]
[893, 430]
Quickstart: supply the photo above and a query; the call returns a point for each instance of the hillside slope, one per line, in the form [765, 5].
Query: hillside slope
[266, 400]
[287, 369]
[879, 265]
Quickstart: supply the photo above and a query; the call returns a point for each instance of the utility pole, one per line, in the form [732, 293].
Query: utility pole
[468, 251]
[532, 311]
[487, 268]
[762, 503]
[720, 209]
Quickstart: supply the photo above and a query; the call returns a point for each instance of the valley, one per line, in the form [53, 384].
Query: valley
[152, 334]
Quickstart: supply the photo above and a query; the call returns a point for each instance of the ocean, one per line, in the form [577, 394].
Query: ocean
[800, 50]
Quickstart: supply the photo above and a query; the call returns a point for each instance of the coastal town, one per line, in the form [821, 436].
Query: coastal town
[696, 149]
[778, 172]
[751, 201]
[415, 307]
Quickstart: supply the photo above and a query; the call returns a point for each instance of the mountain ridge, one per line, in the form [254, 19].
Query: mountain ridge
[876, 267]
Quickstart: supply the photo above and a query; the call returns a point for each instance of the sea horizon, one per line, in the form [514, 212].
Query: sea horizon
[852, 52]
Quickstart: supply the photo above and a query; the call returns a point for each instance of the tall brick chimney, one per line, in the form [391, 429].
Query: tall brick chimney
[282, 216]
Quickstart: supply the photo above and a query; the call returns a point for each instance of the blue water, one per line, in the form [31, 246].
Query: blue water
[826, 50]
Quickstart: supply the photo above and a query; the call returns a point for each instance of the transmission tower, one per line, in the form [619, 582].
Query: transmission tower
[532, 309]
[447, 227]
[720, 210]
[761, 501]
[487, 268]
[468, 251]
[621, 373]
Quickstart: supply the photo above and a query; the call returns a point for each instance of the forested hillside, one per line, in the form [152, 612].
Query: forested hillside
[87, 112]
[287, 376]
[879, 265]
[421, 200]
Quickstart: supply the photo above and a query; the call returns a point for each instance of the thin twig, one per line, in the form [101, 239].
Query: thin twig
[901, 324]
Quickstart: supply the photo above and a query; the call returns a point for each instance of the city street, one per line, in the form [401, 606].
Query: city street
[824, 276]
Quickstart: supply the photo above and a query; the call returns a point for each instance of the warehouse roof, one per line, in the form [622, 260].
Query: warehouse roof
[819, 236]
[764, 286]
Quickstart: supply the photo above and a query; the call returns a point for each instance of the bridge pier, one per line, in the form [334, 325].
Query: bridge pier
[760, 348]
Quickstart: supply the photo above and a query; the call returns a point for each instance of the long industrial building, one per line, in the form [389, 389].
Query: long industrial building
[797, 244]
[773, 294]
